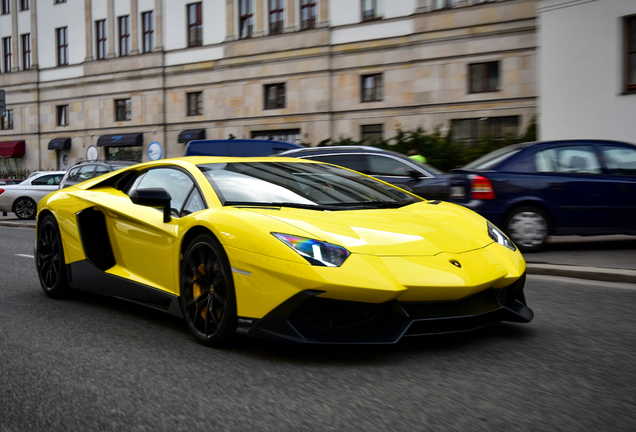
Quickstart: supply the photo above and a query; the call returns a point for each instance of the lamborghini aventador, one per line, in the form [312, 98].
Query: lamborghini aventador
[279, 248]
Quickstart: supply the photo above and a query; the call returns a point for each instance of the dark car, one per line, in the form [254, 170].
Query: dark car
[532, 190]
[392, 167]
[85, 170]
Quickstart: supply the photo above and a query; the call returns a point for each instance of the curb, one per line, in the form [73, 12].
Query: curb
[591, 273]
[18, 224]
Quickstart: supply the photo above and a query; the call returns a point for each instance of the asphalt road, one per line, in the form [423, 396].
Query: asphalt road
[93, 363]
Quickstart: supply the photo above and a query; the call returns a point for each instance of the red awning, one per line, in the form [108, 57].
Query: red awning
[11, 148]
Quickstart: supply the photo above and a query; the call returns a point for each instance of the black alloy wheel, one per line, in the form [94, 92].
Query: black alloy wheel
[50, 259]
[207, 297]
[25, 208]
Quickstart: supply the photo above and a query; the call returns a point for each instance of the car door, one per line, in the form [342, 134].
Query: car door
[43, 185]
[571, 181]
[144, 245]
[620, 167]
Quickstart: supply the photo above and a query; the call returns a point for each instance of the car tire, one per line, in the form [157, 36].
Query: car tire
[208, 300]
[528, 228]
[25, 208]
[50, 259]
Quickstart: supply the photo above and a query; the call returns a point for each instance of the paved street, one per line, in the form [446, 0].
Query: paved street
[92, 363]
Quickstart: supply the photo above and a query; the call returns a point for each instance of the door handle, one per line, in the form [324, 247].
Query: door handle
[624, 187]
[556, 186]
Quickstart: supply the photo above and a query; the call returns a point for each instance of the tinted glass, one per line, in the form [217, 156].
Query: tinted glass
[85, 172]
[568, 159]
[619, 160]
[355, 162]
[300, 184]
[48, 180]
[492, 159]
[177, 183]
[193, 204]
[387, 166]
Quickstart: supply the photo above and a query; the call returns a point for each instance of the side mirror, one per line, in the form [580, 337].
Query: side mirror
[153, 197]
[415, 174]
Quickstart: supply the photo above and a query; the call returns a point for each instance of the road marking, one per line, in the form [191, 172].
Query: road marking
[24, 255]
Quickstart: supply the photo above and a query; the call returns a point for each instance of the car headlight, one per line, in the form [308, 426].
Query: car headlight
[316, 252]
[499, 237]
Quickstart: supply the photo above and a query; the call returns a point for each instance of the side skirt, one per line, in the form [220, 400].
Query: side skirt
[85, 276]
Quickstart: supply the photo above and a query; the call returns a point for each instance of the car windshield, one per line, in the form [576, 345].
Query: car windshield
[301, 185]
[493, 158]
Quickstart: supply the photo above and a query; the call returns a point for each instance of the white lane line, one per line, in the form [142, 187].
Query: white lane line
[24, 255]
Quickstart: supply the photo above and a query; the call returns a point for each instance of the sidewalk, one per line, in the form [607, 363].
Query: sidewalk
[603, 258]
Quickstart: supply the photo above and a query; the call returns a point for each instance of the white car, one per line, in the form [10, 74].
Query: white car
[22, 199]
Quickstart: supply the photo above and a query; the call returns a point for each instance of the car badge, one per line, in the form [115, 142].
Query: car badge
[456, 264]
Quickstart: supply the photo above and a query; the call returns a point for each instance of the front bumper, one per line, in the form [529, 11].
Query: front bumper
[308, 318]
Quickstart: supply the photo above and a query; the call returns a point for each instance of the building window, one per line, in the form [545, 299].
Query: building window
[24, 5]
[470, 130]
[6, 121]
[123, 110]
[276, 16]
[370, 10]
[374, 132]
[100, 33]
[371, 87]
[148, 28]
[62, 46]
[195, 103]
[307, 14]
[246, 19]
[62, 115]
[195, 25]
[630, 54]
[442, 4]
[6, 54]
[274, 96]
[26, 51]
[483, 77]
[124, 35]
[6, 7]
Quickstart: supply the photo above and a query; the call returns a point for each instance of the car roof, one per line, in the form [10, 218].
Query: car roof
[332, 149]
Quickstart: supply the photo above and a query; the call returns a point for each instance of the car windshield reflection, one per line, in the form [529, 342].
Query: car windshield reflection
[300, 185]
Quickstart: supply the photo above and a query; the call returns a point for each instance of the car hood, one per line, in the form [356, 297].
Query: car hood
[427, 228]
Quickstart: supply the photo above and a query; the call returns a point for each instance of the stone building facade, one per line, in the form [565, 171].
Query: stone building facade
[82, 74]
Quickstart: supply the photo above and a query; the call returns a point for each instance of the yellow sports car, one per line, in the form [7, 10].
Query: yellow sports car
[279, 248]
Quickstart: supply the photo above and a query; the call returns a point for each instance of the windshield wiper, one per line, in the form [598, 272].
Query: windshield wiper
[278, 204]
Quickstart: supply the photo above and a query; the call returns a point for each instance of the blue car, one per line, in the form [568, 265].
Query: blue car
[532, 190]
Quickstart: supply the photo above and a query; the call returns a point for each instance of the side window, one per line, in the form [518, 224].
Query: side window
[44, 180]
[570, 159]
[351, 161]
[99, 170]
[85, 173]
[619, 160]
[193, 204]
[72, 176]
[177, 183]
[386, 166]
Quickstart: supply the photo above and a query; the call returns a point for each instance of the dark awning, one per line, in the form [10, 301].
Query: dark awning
[60, 144]
[191, 135]
[121, 140]
[11, 148]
